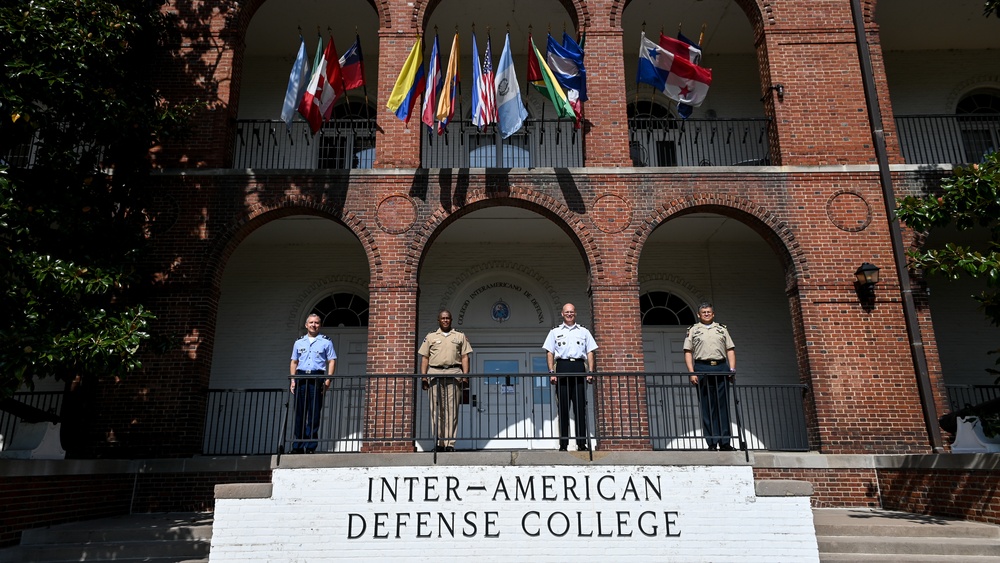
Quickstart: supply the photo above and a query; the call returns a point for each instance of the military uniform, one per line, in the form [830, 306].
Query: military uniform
[313, 356]
[710, 345]
[570, 345]
[444, 351]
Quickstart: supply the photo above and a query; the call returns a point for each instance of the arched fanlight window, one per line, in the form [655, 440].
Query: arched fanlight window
[662, 308]
[342, 310]
[979, 118]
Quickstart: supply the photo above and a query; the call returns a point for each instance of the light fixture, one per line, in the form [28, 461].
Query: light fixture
[866, 276]
[780, 89]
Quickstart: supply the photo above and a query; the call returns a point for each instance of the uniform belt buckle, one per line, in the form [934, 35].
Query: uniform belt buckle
[714, 362]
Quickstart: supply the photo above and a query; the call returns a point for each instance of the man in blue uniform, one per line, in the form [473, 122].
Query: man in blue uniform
[570, 349]
[710, 356]
[313, 356]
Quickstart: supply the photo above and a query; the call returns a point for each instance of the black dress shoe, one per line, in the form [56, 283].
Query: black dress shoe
[582, 448]
[727, 448]
[713, 447]
[562, 448]
[449, 448]
[297, 450]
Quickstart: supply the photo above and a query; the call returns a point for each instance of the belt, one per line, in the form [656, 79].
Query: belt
[310, 372]
[448, 367]
[710, 362]
[569, 359]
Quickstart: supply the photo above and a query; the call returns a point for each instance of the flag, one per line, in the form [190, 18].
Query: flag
[686, 49]
[409, 84]
[446, 102]
[484, 110]
[352, 66]
[540, 76]
[566, 62]
[325, 86]
[510, 109]
[677, 78]
[296, 85]
[303, 108]
[435, 82]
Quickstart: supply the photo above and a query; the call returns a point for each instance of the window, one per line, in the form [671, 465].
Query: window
[347, 141]
[979, 119]
[342, 310]
[662, 308]
[649, 141]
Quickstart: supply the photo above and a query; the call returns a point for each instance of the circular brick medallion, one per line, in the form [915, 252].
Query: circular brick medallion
[849, 211]
[396, 214]
[612, 213]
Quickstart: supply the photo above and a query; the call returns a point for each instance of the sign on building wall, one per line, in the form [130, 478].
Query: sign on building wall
[545, 513]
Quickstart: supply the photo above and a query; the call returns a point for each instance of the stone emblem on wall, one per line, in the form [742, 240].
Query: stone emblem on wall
[612, 213]
[396, 214]
[849, 211]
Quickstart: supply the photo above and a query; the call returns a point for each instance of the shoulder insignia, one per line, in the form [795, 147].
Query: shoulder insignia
[722, 325]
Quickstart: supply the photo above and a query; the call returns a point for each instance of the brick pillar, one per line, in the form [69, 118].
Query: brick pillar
[389, 416]
[621, 409]
[397, 145]
[605, 117]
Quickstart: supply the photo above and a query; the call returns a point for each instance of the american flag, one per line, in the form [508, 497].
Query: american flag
[487, 92]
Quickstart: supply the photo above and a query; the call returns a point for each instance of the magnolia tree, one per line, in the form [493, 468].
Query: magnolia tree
[969, 198]
[78, 116]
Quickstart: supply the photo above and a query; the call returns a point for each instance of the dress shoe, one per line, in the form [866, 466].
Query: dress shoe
[449, 448]
[582, 448]
[562, 448]
[727, 448]
[712, 447]
[297, 450]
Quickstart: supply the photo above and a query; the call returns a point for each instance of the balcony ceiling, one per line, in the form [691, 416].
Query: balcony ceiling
[904, 24]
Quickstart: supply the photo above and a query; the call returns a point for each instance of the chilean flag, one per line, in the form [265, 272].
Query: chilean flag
[352, 66]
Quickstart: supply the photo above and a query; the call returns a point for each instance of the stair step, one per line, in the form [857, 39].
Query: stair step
[865, 522]
[909, 545]
[897, 558]
[109, 551]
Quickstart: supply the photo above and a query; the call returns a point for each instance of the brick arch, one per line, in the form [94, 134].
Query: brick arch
[754, 9]
[422, 10]
[259, 215]
[768, 225]
[241, 21]
[571, 223]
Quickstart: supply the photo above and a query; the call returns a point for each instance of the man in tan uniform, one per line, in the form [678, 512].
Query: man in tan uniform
[444, 355]
[710, 356]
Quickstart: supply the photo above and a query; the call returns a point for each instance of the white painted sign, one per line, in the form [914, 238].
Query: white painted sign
[546, 513]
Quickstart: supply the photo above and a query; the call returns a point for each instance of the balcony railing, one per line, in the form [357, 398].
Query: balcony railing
[518, 411]
[48, 401]
[342, 144]
[546, 143]
[961, 396]
[947, 139]
[698, 142]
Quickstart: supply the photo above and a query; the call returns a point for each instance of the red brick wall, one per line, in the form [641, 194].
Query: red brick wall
[38, 501]
[832, 488]
[970, 495]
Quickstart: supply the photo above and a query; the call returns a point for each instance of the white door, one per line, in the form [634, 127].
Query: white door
[673, 402]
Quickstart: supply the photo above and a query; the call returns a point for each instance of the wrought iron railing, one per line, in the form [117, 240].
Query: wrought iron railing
[518, 411]
[548, 143]
[961, 396]
[341, 144]
[48, 401]
[698, 142]
[948, 139]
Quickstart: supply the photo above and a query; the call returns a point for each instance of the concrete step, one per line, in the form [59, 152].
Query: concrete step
[158, 538]
[858, 535]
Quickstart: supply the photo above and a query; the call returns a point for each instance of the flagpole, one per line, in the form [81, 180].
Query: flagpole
[458, 95]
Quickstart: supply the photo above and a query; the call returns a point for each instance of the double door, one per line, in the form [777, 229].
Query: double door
[512, 406]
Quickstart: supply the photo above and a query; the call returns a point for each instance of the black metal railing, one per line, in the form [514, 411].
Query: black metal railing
[698, 142]
[548, 143]
[518, 411]
[341, 144]
[947, 139]
[961, 396]
[48, 401]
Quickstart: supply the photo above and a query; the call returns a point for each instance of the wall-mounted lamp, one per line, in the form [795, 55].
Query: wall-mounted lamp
[866, 276]
[780, 89]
